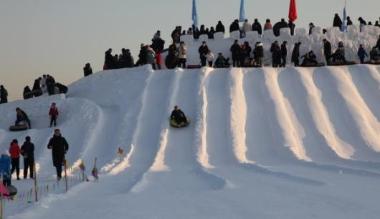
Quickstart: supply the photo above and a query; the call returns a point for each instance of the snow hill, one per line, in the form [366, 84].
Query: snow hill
[263, 143]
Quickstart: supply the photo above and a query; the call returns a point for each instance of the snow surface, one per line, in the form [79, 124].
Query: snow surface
[263, 143]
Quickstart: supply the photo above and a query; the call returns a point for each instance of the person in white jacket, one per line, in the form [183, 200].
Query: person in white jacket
[210, 58]
[246, 27]
[182, 55]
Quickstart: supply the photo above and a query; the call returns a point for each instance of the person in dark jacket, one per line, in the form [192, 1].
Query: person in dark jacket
[5, 169]
[245, 54]
[27, 94]
[203, 50]
[50, 84]
[378, 43]
[211, 33]
[220, 27]
[284, 54]
[296, 54]
[337, 21]
[21, 116]
[276, 54]
[126, 59]
[14, 151]
[309, 59]
[142, 55]
[278, 26]
[311, 27]
[258, 54]
[59, 147]
[3, 95]
[27, 151]
[292, 27]
[221, 62]
[87, 70]
[349, 21]
[256, 26]
[158, 45]
[178, 116]
[235, 53]
[362, 54]
[327, 51]
[109, 62]
[235, 26]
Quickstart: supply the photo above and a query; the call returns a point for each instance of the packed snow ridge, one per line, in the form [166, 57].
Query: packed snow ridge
[262, 143]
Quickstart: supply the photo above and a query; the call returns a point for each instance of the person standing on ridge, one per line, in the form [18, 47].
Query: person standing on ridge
[284, 54]
[203, 50]
[3, 95]
[59, 147]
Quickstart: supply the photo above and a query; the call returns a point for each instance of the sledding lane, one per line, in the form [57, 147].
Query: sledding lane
[340, 114]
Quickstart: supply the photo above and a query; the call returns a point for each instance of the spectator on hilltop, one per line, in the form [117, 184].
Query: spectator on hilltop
[349, 21]
[220, 27]
[3, 95]
[258, 54]
[337, 21]
[268, 25]
[276, 54]
[256, 26]
[246, 27]
[234, 26]
[87, 70]
[235, 53]
[311, 27]
[278, 26]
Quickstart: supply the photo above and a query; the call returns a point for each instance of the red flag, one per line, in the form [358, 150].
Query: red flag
[293, 11]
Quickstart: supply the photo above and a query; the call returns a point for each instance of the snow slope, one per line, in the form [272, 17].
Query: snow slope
[263, 143]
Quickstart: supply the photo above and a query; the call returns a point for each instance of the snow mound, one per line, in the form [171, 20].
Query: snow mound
[263, 143]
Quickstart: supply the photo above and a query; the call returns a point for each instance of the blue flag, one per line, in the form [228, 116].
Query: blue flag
[344, 24]
[194, 15]
[242, 11]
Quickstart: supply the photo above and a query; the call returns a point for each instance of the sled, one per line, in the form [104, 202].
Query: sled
[174, 124]
[312, 65]
[17, 128]
[12, 191]
[342, 63]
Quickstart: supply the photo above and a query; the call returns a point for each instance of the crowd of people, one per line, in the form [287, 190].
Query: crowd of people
[42, 85]
[10, 160]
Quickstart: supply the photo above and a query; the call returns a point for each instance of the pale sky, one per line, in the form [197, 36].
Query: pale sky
[58, 37]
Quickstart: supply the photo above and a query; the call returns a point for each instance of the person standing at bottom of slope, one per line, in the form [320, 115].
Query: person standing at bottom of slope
[362, 54]
[235, 53]
[378, 43]
[5, 169]
[59, 147]
[27, 151]
[53, 113]
[258, 54]
[182, 55]
[14, 151]
[327, 51]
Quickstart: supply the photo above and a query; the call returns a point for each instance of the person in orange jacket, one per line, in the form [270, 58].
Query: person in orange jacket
[15, 151]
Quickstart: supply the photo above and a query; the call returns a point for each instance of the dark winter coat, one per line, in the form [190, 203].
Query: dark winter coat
[59, 147]
[234, 26]
[87, 70]
[22, 116]
[256, 26]
[327, 49]
[3, 95]
[278, 26]
[284, 50]
[235, 50]
[203, 50]
[158, 45]
[258, 52]
[362, 53]
[378, 43]
[36, 85]
[178, 116]
[220, 27]
[276, 53]
[27, 93]
[27, 150]
[296, 53]
[109, 61]
[337, 21]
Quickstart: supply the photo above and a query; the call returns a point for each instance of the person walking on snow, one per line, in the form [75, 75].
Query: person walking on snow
[53, 113]
[362, 54]
[59, 147]
[14, 151]
[27, 151]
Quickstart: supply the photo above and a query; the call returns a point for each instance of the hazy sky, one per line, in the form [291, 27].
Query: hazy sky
[59, 36]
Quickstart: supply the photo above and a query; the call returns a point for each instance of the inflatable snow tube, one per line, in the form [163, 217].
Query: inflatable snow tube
[174, 124]
[19, 127]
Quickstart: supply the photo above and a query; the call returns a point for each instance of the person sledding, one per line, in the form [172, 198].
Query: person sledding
[6, 188]
[178, 118]
[22, 121]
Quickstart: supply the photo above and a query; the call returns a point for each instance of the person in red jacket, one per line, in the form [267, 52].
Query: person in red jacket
[53, 113]
[15, 151]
